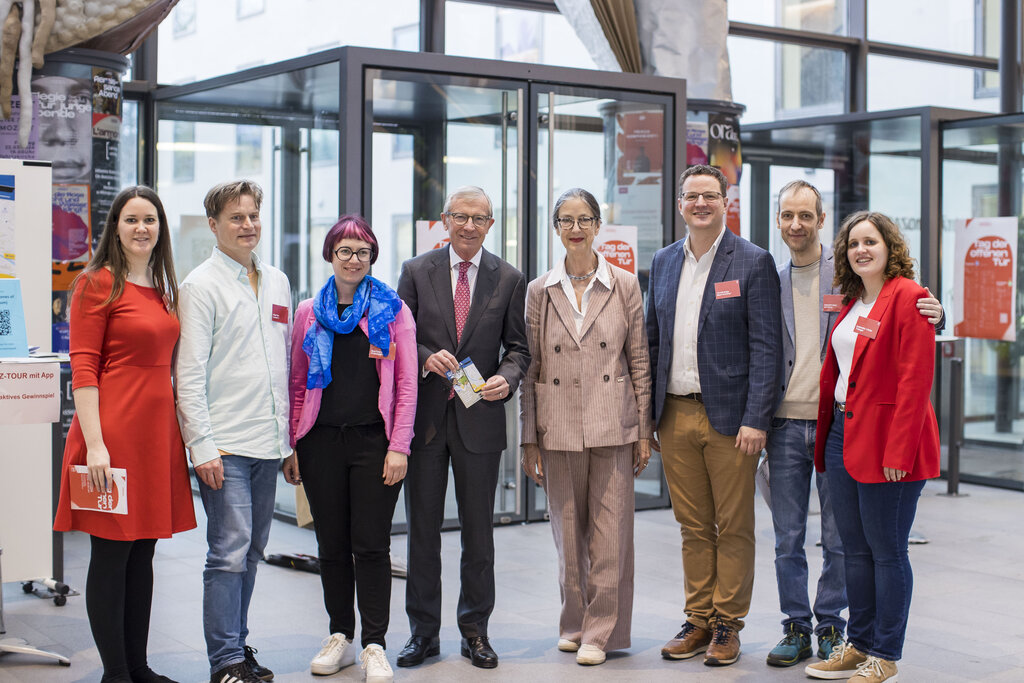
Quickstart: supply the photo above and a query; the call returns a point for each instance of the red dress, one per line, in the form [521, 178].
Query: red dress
[124, 348]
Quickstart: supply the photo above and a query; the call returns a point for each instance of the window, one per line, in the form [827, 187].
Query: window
[184, 151]
[183, 19]
[249, 8]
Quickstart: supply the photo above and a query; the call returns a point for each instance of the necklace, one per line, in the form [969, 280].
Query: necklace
[580, 277]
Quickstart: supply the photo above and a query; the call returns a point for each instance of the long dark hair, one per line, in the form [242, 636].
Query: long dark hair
[110, 253]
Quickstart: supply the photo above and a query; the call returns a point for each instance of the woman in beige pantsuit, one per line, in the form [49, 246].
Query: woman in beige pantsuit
[586, 426]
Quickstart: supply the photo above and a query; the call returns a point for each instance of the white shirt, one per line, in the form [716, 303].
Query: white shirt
[844, 340]
[558, 275]
[454, 259]
[232, 365]
[683, 375]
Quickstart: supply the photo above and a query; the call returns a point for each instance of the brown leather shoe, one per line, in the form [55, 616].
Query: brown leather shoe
[692, 640]
[725, 646]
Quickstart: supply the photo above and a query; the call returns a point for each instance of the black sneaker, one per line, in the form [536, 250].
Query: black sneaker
[261, 672]
[239, 672]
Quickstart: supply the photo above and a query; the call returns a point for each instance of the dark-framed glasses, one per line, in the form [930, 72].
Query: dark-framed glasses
[345, 254]
[585, 222]
[461, 219]
[709, 197]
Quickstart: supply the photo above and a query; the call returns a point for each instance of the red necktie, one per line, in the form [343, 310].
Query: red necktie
[461, 299]
[461, 305]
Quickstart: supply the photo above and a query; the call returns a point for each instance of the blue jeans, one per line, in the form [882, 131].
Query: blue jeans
[790, 467]
[237, 528]
[874, 522]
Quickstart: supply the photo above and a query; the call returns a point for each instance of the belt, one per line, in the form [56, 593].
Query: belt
[698, 397]
[841, 407]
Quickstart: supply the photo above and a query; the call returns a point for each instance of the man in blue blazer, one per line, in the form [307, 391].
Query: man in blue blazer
[716, 347]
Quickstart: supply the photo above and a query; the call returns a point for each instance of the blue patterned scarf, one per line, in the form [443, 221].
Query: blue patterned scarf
[374, 299]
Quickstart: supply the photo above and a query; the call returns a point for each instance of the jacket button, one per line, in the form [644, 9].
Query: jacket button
[558, 348]
[791, 363]
[603, 345]
[555, 381]
[606, 378]
[853, 384]
[849, 413]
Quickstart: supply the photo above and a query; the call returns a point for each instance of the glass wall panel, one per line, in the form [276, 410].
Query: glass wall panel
[129, 159]
[230, 40]
[973, 159]
[823, 16]
[781, 81]
[513, 35]
[947, 25]
[895, 83]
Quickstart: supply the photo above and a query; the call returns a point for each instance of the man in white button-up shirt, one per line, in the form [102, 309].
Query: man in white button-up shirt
[232, 387]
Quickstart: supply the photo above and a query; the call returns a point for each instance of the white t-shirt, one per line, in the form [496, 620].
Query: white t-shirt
[844, 340]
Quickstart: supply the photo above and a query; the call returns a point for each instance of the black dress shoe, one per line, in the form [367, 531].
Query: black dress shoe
[417, 649]
[479, 652]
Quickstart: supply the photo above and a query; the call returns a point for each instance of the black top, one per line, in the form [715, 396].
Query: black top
[351, 397]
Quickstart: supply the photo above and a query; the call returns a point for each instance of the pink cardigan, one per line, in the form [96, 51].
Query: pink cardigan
[398, 380]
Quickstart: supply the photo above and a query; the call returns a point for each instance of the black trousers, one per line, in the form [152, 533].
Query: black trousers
[118, 599]
[476, 477]
[342, 471]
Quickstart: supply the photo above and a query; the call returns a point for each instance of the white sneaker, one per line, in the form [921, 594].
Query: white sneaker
[335, 653]
[375, 664]
[590, 655]
[566, 645]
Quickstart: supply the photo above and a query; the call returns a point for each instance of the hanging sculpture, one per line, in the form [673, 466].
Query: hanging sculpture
[32, 28]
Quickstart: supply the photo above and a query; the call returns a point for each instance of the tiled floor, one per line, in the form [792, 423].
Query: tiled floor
[966, 622]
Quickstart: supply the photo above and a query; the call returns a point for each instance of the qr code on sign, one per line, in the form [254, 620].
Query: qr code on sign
[5, 323]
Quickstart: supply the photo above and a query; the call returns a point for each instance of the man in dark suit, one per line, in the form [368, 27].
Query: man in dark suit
[468, 303]
[713, 328]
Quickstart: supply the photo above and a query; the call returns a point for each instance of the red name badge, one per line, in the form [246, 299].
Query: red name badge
[727, 290]
[375, 352]
[279, 314]
[866, 327]
[832, 303]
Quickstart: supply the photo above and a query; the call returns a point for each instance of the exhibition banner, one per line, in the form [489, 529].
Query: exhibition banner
[618, 245]
[13, 337]
[985, 279]
[430, 235]
[29, 392]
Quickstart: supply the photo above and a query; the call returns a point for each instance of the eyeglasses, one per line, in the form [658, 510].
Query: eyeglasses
[461, 219]
[345, 254]
[585, 222]
[709, 197]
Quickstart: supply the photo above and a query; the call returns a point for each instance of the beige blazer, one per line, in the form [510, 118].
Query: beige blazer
[590, 389]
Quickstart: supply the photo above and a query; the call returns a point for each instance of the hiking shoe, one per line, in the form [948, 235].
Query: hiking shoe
[844, 663]
[724, 648]
[794, 647]
[261, 672]
[239, 672]
[876, 670]
[375, 664]
[828, 640]
[690, 641]
[336, 652]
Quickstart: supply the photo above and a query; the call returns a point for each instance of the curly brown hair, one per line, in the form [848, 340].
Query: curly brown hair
[899, 263]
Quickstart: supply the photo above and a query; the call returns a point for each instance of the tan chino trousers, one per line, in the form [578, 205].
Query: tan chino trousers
[711, 484]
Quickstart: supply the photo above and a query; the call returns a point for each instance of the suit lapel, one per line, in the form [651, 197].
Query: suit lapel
[719, 267]
[877, 313]
[666, 294]
[441, 278]
[483, 290]
[786, 284]
[599, 297]
[563, 309]
[825, 274]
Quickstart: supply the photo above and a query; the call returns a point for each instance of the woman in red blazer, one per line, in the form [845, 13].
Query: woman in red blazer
[877, 438]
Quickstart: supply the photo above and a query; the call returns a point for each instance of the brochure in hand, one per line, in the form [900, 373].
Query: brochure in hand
[467, 382]
[85, 497]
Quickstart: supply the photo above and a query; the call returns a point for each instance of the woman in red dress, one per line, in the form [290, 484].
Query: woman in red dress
[123, 333]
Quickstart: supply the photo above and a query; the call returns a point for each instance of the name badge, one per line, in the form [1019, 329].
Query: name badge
[832, 303]
[727, 290]
[279, 314]
[866, 327]
[375, 352]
